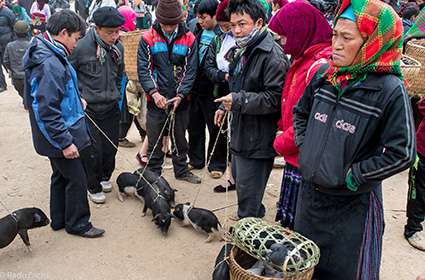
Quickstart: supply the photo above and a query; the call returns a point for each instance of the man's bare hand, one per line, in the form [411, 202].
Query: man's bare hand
[218, 117]
[421, 277]
[176, 102]
[227, 101]
[84, 103]
[160, 100]
[71, 152]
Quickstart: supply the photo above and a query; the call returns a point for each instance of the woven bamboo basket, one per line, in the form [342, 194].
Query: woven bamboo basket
[130, 41]
[255, 237]
[240, 261]
[410, 68]
[416, 50]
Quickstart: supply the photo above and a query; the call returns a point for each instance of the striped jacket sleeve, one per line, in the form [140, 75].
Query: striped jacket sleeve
[397, 138]
[145, 68]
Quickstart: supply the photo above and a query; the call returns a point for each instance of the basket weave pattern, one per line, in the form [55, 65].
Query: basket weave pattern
[130, 41]
[416, 49]
[239, 261]
[255, 237]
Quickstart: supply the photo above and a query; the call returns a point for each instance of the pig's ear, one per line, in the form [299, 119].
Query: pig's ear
[154, 218]
[175, 190]
[37, 218]
[187, 203]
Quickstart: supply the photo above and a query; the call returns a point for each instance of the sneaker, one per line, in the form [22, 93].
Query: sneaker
[190, 178]
[97, 198]
[216, 174]
[106, 186]
[93, 232]
[126, 144]
[417, 240]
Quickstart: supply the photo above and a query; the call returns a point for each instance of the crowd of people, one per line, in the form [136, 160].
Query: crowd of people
[318, 83]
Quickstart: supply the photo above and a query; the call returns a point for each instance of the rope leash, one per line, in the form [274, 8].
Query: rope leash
[158, 194]
[12, 214]
[210, 157]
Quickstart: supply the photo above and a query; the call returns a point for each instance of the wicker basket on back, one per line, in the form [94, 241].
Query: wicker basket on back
[130, 41]
[416, 50]
[253, 238]
[410, 68]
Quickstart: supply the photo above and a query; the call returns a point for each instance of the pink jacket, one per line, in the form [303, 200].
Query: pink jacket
[298, 77]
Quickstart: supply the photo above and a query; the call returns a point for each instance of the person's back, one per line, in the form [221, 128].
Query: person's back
[7, 20]
[16, 51]
[14, 54]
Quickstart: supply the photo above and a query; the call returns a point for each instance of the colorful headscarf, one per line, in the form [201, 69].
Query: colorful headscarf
[303, 26]
[418, 28]
[382, 30]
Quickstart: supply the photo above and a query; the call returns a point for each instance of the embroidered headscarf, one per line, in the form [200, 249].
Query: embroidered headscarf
[418, 28]
[303, 26]
[382, 31]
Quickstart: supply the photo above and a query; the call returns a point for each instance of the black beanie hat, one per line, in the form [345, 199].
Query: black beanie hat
[108, 17]
[169, 12]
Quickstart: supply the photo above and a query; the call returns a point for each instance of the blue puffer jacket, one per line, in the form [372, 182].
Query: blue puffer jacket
[51, 94]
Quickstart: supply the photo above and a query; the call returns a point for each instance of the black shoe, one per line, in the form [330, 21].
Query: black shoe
[222, 189]
[190, 178]
[93, 232]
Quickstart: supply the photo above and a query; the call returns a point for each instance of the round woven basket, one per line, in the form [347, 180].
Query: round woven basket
[256, 236]
[130, 41]
[416, 49]
[239, 262]
[410, 68]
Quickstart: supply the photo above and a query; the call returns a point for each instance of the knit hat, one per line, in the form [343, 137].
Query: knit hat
[221, 13]
[169, 12]
[21, 27]
[108, 17]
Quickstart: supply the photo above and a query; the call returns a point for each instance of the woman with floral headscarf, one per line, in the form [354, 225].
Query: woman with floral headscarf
[354, 128]
[307, 37]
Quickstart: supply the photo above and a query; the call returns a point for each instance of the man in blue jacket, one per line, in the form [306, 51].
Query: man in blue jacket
[58, 124]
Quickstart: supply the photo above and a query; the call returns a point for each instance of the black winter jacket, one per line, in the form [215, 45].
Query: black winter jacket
[167, 68]
[203, 85]
[211, 70]
[99, 85]
[256, 93]
[369, 129]
[7, 21]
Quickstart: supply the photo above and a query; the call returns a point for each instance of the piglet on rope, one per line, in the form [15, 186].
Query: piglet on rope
[202, 220]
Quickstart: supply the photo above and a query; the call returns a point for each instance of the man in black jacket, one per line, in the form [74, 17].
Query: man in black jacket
[98, 59]
[257, 74]
[167, 65]
[7, 21]
[202, 107]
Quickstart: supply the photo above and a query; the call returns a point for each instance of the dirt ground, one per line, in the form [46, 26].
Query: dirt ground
[132, 247]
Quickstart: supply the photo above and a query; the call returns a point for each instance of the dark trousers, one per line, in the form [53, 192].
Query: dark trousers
[101, 162]
[155, 120]
[251, 176]
[2, 77]
[69, 207]
[348, 230]
[416, 199]
[126, 120]
[202, 112]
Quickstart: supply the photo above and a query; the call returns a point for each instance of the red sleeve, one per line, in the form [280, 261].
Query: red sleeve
[284, 143]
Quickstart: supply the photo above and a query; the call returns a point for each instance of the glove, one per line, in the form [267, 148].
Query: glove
[352, 185]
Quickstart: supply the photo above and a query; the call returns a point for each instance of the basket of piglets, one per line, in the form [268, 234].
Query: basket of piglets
[268, 251]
